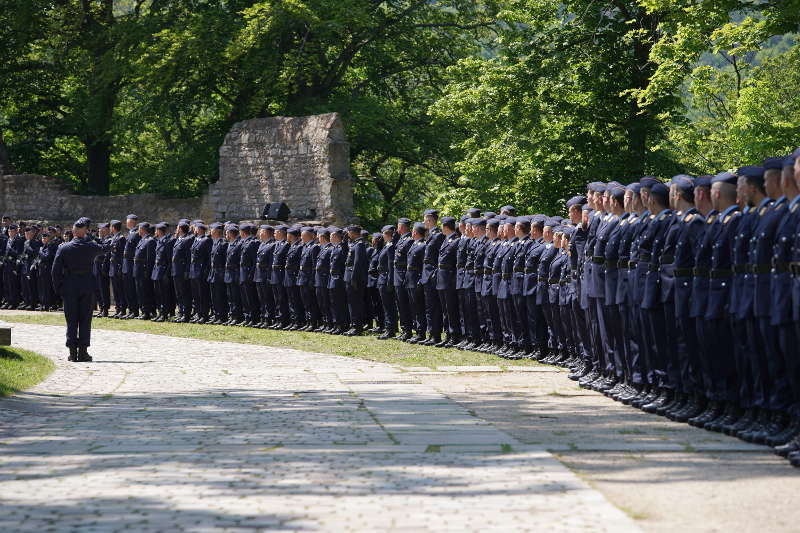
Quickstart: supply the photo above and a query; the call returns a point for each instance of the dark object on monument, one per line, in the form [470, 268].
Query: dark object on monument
[276, 211]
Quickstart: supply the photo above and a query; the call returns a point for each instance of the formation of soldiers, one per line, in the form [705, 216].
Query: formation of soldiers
[679, 298]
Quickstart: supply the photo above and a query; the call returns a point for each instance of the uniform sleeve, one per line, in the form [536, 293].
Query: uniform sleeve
[58, 271]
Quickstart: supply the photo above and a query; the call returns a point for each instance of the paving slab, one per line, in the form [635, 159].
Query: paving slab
[168, 434]
[487, 368]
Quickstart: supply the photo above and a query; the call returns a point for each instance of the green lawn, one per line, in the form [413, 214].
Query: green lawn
[365, 347]
[21, 369]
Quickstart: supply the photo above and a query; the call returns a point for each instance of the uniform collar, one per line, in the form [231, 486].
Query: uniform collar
[795, 201]
[729, 210]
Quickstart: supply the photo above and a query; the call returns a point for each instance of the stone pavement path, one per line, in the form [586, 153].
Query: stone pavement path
[170, 434]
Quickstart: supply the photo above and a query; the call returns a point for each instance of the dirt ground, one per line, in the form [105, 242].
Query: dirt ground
[668, 476]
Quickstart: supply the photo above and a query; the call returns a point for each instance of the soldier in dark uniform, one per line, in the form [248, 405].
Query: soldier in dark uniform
[143, 262]
[336, 284]
[100, 269]
[474, 281]
[494, 334]
[355, 279]
[433, 308]
[131, 242]
[399, 262]
[247, 270]
[28, 271]
[322, 272]
[372, 298]
[232, 263]
[216, 274]
[503, 271]
[263, 273]
[12, 267]
[294, 251]
[305, 278]
[278, 274]
[385, 283]
[415, 258]
[181, 259]
[6, 222]
[47, 253]
[199, 266]
[446, 281]
[115, 260]
[162, 281]
[73, 280]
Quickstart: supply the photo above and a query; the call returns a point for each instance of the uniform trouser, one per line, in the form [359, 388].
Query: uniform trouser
[657, 337]
[266, 300]
[491, 316]
[338, 299]
[616, 339]
[779, 386]
[787, 343]
[705, 347]
[672, 358]
[355, 304]
[505, 308]
[297, 311]
[389, 305]
[756, 358]
[537, 327]
[324, 304]
[469, 312]
[183, 295]
[118, 288]
[416, 299]
[521, 321]
[583, 335]
[691, 374]
[200, 297]
[741, 352]
[405, 314]
[29, 292]
[78, 308]
[720, 368]
[433, 310]
[250, 305]
[281, 299]
[144, 288]
[11, 284]
[374, 305]
[448, 300]
[637, 345]
[219, 300]
[480, 316]
[309, 297]
[131, 296]
[162, 288]
[45, 288]
[104, 291]
[629, 343]
[603, 339]
[593, 323]
[234, 300]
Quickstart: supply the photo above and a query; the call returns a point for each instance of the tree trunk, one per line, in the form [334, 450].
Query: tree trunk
[5, 163]
[98, 155]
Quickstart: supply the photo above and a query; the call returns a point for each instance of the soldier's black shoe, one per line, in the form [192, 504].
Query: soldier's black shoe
[791, 431]
[73, 354]
[386, 336]
[353, 332]
[83, 355]
[794, 459]
[790, 447]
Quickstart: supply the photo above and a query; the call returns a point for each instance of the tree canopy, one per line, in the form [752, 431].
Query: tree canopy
[452, 103]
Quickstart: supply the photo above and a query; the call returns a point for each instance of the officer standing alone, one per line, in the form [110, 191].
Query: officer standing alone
[73, 279]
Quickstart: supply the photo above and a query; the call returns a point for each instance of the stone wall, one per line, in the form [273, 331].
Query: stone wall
[303, 161]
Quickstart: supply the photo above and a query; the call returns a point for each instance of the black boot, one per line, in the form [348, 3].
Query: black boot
[83, 355]
[73, 354]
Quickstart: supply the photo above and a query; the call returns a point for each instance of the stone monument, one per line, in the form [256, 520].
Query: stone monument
[302, 161]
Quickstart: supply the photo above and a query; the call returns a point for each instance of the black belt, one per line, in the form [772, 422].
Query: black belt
[794, 268]
[79, 271]
[263, 265]
[413, 269]
[700, 271]
[446, 267]
[488, 271]
[667, 259]
[382, 271]
[599, 259]
[140, 261]
[292, 269]
[563, 281]
[553, 281]
[479, 271]
[533, 270]
[623, 263]
[632, 264]
[519, 270]
[277, 267]
[683, 272]
[759, 269]
[506, 276]
[717, 273]
[429, 263]
[781, 267]
[652, 267]
[739, 269]
[307, 269]
[161, 263]
[644, 258]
